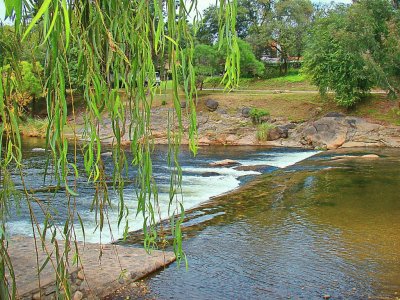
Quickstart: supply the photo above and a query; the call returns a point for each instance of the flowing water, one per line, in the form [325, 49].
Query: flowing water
[200, 182]
[315, 229]
[302, 230]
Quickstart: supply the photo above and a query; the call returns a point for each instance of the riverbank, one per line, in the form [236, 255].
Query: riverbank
[295, 119]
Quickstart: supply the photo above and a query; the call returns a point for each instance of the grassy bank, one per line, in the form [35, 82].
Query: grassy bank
[291, 82]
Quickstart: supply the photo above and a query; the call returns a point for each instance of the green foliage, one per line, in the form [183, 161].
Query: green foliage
[263, 131]
[74, 79]
[249, 13]
[25, 82]
[348, 51]
[256, 115]
[208, 60]
[292, 21]
[249, 65]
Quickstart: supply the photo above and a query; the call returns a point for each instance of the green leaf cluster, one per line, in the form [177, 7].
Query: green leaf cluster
[256, 115]
[354, 48]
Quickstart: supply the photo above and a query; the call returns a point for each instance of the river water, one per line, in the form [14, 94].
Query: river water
[200, 182]
[318, 228]
[301, 230]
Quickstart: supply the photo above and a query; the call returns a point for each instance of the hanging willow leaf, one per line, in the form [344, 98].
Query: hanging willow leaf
[37, 17]
[117, 43]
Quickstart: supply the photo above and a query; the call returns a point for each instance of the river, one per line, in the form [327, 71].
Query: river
[304, 229]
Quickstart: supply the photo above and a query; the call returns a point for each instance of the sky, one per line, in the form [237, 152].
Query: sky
[201, 4]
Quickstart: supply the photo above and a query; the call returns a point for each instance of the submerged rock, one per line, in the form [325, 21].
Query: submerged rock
[225, 163]
[366, 156]
[210, 174]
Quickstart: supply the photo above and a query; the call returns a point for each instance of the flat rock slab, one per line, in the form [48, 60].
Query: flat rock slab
[117, 266]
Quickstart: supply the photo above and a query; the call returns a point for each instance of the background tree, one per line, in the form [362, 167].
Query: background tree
[354, 48]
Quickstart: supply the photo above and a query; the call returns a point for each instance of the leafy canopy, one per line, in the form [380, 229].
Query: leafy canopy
[354, 48]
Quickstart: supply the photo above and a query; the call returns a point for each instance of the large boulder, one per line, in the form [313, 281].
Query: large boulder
[277, 132]
[335, 130]
[211, 105]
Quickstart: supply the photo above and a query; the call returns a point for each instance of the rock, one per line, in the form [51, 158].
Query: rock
[106, 154]
[370, 156]
[256, 168]
[277, 133]
[204, 141]
[334, 115]
[81, 275]
[344, 157]
[222, 111]
[78, 295]
[38, 150]
[327, 132]
[247, 140]
[121, 281]
[246, 112]
[183, 104]
[366, 156]
[211, 105]
[231, 139]
[224, 163]
[36, 296]
[50, 290]
[210, 174]
[290, 126]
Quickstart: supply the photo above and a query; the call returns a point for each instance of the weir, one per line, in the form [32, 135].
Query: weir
[101, 275]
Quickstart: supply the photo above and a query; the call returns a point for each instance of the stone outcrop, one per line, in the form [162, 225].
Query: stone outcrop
[335, 130]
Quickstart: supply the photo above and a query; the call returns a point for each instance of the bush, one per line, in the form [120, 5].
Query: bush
[256, 115]
[25, 83]
[263, 131]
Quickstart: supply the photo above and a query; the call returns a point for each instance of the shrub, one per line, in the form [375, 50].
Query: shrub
[25, 82]
[263, 131]
[257, 113]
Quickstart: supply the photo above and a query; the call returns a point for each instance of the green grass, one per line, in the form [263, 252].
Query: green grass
[263, 131]
[292, 81]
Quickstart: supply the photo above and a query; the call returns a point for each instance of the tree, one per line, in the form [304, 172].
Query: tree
[354, 48]
[249, 15]
[209, 61]
[205, 62]
[112, 38]
[25, 83]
